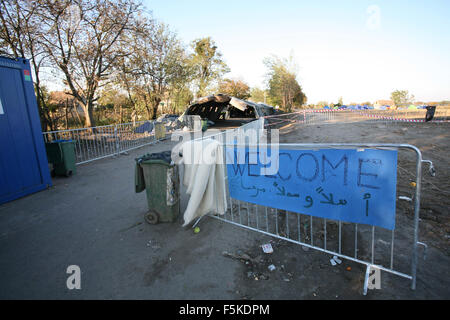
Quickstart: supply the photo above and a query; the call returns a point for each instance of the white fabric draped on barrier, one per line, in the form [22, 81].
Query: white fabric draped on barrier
[204, 178]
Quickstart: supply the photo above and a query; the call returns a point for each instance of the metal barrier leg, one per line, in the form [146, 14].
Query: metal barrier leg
[425, 248]
[196, 222]
[366, 279]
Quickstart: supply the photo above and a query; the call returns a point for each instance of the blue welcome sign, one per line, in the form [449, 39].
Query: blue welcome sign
[348, 185]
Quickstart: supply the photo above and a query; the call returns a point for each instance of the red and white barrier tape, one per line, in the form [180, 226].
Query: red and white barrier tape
[397, 119]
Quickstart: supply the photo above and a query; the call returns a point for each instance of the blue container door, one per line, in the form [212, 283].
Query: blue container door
[19, 168]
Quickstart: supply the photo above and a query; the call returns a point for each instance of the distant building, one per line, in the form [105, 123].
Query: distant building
[380, 103]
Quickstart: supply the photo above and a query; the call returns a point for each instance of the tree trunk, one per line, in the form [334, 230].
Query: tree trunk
[149, 111]
[75, 107]
[133, 117]
[89, 120]
[155, 104]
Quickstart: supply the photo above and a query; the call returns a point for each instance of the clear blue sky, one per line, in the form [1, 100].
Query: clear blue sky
[360, 50]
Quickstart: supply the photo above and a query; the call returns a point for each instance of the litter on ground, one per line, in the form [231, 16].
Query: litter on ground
[267, 248]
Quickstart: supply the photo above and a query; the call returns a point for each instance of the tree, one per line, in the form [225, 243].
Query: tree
[282, 83]
[207, 64]
[114, 99]
[99, 46]
[258, 95]
[180, 98]
[19, 37]
[235, 87]
[401, 98]
[83, 39]
[322, 104]
[158, 66]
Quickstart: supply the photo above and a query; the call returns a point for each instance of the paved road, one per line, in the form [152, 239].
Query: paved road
[95, 220]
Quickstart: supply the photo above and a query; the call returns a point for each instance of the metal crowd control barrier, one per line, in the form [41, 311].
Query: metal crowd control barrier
[337, 116]
[389, 117]
[352, 241]
[105, 141]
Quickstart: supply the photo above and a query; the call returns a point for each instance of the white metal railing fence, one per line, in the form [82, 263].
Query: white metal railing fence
[105, 141]
[111, 140]
[387, 117]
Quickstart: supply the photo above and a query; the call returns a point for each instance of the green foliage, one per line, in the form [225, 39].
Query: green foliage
[180, 99]
[401, 98]
[284, 90]
[236, 88]
[110, 98]
[45, 98]
[322, 104]
[156, 68]
[259, 95]
[207, 63]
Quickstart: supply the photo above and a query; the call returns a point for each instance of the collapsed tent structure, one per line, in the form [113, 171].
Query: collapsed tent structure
[224, 111]
[220, 111]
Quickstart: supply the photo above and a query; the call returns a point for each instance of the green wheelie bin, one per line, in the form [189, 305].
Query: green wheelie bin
[159, 177]
[61, 153]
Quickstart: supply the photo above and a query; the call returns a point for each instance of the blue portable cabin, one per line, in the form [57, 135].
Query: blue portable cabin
[23, 160]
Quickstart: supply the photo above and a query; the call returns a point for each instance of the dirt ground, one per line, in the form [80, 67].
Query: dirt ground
[95, 220]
